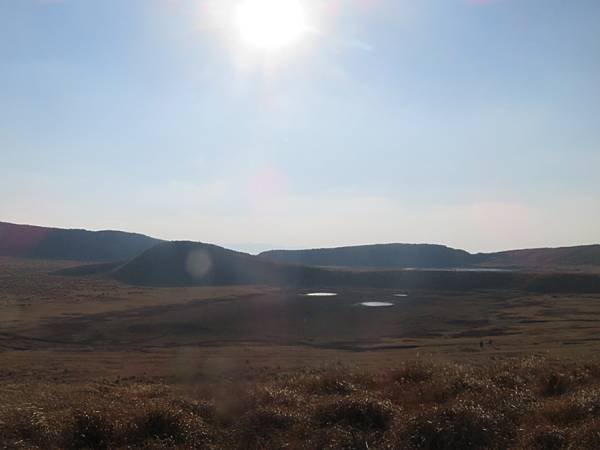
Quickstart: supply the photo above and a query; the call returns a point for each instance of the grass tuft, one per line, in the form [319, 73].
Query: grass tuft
[557, 384]
[362, 413]
[460, 426]
[89, 430]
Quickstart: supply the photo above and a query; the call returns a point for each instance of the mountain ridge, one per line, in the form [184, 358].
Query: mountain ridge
[186, 264]
[111, 246]
[34, 241]
[402, 255]
[430, 256]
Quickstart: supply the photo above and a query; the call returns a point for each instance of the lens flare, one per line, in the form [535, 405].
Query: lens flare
[271, 24]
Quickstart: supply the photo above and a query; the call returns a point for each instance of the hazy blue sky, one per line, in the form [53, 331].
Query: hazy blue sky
[471, 123]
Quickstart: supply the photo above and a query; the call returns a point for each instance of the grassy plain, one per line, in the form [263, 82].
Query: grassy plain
[89, 362]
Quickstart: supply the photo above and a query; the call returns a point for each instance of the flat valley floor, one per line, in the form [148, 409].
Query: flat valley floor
[57, 327]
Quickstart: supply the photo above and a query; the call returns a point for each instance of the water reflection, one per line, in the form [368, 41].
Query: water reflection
[321, 294]
[376, 304]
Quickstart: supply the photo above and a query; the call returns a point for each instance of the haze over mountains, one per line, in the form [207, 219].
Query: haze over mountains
[426, 256]
[578, 256]
[78, 245]
[376, 256]
[140, 259]
[197, 264]
[185, 263]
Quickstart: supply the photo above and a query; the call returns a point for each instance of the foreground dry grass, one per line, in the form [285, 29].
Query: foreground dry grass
[530, 403]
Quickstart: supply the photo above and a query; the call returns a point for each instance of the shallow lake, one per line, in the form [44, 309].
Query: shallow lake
[376, 304]
[321, 294]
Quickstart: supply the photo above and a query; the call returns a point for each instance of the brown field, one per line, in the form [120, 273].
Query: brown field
[261, 367]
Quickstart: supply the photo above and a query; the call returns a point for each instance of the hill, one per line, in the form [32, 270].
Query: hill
[426, 256]
[197, 264]
[79, 245]
[184, 263]
[376, 256]
[579, 256]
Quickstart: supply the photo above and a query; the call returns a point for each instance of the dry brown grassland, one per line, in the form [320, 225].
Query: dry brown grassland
[524, 404]
[91, 363]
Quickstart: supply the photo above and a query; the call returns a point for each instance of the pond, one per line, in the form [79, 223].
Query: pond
[321, 294]
[376, 304]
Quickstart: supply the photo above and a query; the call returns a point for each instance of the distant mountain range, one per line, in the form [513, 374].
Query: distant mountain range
[426, 256]
[376, 256]
[78, 245]
[146, 260]
[562, 257]
[197, 264]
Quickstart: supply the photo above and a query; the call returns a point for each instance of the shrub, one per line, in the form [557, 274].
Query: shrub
[202, 408]
[89, 430]
[454, 384]
[557, 384]
[587, 436]
[508, 380]
[282, 396]
[551, 438]
[160, 424]
[568, 410]
[265, 421]
[415, 373]
[330, 384]
[459, 427]
[337, 438]
[362, 414]
[564, 412]
[26, 424]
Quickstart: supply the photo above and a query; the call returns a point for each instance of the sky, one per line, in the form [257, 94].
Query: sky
[469, 123]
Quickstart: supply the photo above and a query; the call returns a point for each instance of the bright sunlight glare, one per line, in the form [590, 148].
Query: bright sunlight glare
[271, 24]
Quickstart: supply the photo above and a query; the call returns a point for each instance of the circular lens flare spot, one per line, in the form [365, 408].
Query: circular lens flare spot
[198, 264]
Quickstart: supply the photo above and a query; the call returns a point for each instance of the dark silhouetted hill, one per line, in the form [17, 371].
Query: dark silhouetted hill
[184, 263]
[426, 256]
[376, 256]
[80, 245]
[579, 256]
[197, 264]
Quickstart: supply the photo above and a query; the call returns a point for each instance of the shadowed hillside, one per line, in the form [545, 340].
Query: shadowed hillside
[79, 245]
[103, 246]
[425, 256]
[197, 264]
[376, 256]
[580, 256]
[185, 263]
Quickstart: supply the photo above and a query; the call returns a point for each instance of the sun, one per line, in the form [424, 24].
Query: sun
[271, 24]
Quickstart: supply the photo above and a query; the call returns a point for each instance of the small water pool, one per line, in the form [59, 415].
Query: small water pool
[376, 304]
[321, 294]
